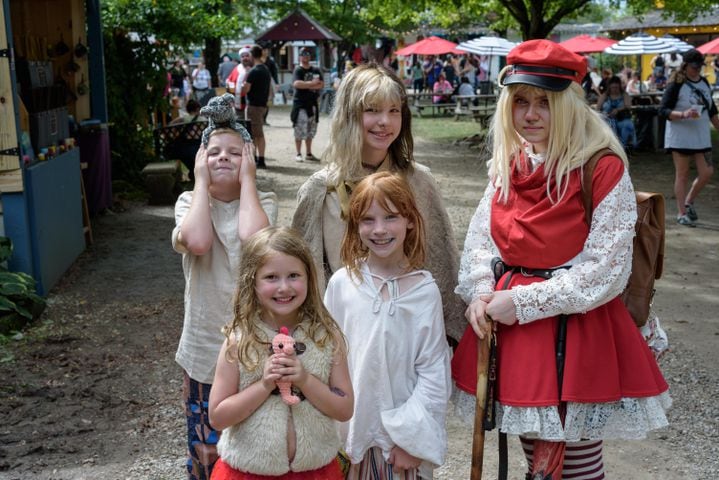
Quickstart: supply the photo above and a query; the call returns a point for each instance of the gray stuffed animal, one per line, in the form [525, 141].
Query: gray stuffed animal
[220, 113]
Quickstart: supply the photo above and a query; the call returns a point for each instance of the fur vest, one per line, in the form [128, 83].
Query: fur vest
[259, 443]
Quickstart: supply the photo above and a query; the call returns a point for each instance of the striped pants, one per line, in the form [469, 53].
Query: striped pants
[373, 467]
[582, 460]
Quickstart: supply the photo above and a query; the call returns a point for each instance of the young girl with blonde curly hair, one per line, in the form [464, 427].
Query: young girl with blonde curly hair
[262, 437]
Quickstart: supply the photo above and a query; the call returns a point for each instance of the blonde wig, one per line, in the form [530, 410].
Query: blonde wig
[577, 132]
[365, 86]
[384, 187]
[256, 251]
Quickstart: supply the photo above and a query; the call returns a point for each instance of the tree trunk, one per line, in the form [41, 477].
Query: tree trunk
[212, 57]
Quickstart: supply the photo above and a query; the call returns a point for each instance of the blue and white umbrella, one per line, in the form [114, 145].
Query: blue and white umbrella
[640, 44]
[679, 45]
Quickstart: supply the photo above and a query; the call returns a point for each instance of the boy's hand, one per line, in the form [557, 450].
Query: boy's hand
[401, 460]
[202, 171]
[247, 166]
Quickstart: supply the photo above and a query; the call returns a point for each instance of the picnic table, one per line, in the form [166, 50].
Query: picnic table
[419, 102]
[480, 107]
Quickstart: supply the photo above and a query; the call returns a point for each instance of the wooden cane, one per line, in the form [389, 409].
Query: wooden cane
[482, 372]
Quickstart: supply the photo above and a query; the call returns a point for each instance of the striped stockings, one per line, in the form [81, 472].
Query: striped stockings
[582, 460]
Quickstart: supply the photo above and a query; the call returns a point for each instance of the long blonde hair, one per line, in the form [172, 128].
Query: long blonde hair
[384, 187]
[364, 86]
[577, 132]
[255, 251]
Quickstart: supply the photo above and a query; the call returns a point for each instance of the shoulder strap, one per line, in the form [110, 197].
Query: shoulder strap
[701, 95]
[588, 168]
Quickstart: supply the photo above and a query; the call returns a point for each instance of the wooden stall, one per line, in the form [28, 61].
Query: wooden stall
[50, 57]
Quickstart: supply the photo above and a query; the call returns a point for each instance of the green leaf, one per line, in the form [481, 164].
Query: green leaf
[10, 289]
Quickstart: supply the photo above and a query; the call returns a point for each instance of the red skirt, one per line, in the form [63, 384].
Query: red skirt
[331, 471]
[606, 359]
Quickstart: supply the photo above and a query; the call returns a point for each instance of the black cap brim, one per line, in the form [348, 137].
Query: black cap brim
[554, 84]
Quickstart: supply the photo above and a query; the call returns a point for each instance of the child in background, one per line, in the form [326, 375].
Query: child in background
[212, 221]
[391, 313]
[261, 435]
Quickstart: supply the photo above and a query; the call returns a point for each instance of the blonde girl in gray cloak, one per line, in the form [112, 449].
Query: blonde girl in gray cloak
[370, 131]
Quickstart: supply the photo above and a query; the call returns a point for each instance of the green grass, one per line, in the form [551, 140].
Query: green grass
[443, 129]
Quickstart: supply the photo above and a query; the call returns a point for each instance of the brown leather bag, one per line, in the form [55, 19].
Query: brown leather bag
[648, 256]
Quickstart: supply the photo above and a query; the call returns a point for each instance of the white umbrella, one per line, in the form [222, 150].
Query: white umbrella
[640, 44]
[679, 44]
[487, 46]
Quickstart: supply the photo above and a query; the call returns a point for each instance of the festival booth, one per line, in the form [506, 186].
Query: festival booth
[54, 143]
[294, 32]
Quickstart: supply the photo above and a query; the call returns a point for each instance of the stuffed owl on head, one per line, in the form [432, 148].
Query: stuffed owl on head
[220, 113]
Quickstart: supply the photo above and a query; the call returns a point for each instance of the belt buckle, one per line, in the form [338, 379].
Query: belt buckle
[525, 273]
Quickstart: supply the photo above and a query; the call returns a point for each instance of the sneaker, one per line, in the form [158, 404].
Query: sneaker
[690, 212]
[685, 220]
[311, 158]
[298, 157]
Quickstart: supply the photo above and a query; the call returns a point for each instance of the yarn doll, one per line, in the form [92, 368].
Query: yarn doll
[283, 343]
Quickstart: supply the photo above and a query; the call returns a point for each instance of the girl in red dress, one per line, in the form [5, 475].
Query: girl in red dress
[532, 218]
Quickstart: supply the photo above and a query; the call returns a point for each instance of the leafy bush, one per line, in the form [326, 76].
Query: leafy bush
[19, 304]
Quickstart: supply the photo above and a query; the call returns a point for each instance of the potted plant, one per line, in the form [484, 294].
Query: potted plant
[19, 302]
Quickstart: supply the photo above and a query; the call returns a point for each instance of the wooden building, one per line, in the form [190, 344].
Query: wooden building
[51, 80]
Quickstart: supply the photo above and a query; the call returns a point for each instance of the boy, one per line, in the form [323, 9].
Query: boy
[211, 222]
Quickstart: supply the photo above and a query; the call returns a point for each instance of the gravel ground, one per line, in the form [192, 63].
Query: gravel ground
[93, 391]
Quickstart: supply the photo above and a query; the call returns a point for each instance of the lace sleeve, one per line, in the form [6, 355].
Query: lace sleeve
[599, 273]
[475, 273]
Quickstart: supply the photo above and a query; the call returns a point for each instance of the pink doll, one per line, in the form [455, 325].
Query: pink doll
[283, 343]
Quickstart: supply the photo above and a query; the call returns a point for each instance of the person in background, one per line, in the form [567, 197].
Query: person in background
[178, 75]
[237, 77]
[535, 266]
[269, 61]
[201, 83]
[688, 106]
[308, 83]
[256, 88]
[616, 105]
[635, 86]
[417, 77]
[466, 89]
[431, 67]
[672, 61]
[442, 90]
[211, 223]
[224, 69]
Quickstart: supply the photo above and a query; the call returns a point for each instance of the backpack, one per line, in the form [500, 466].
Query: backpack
[648, 256]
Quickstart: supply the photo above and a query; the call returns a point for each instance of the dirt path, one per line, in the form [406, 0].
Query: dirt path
[93, 391]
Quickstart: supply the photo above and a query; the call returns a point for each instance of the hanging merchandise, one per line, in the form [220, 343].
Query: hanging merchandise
[61, 47]
[80, 49]
[82, 87]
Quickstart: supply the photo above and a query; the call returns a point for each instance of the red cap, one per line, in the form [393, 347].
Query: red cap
[544, 64]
